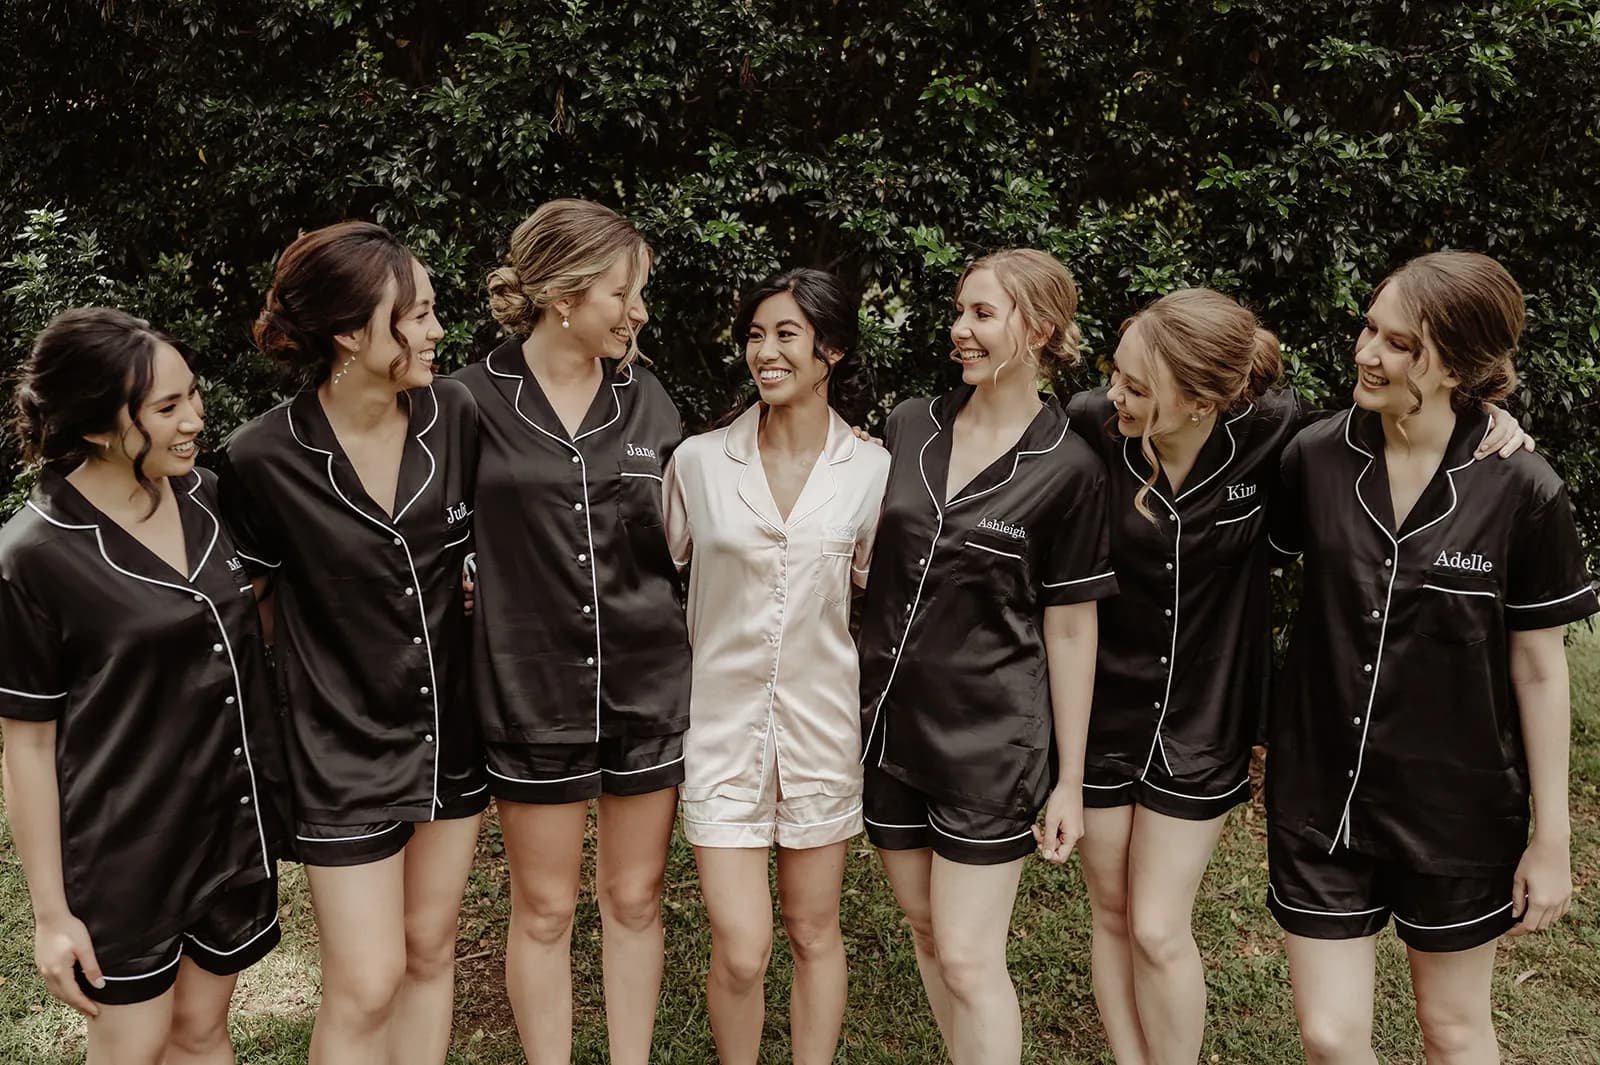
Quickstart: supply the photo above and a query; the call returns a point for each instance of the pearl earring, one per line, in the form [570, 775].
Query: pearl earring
[564, 323]
[343, 369]
[1194, 419]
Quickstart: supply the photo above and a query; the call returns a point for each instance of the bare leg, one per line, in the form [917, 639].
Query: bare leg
[360, 913]
[437, 860]
[630, 866]
[131, 1035]
[1453, 1005]
[909, 873]
[809, 882]
[1333, 983]
[1103, 850]
[971, 919]
[200, 1018]
[544, 848]
[733, 881]
[1166, 861]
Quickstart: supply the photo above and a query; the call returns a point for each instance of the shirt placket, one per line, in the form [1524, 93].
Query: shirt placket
[583, 556]
[1373, 630]
[1172, 614]
[917, 580]
[771, 750]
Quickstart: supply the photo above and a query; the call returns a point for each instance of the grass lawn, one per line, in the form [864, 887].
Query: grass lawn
[1546, 994]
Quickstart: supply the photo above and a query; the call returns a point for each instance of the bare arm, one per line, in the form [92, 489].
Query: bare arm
[33, 808]
[264, 601]
[1542, 890]
[1071, 636]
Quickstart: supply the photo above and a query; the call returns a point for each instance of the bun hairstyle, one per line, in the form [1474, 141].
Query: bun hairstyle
[834, 314]
[85, 366]
[558, 252]
[328, 282]
[1212, 350]
[1471, 308]
[1047, 299]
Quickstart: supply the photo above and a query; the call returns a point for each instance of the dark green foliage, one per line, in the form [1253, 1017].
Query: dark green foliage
[1287, 152]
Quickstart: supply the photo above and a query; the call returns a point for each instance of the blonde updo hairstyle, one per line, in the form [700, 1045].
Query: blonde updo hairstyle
[558, 252]
[1471, 308]
[1046, 298]
[1214, 351]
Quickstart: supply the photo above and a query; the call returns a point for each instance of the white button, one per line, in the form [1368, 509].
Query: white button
[1169, 565]
[428, 738]
[922, 562]
[1375, 614]
[397, 541]
[1158, 704]
[228, 700]
[1367, 668]
[244, 800]
[411, 591]
[577, 506]
[908, 608]
[416, 639]
[1352, 774]
[237, 751]
[199, 598]
[423, 690]
[587, 609]
[769, 685]
[1388, 562]
[1168, 613]
[582, 557]
[1355, 720]
[1163, 659]
[217, 647]
[574, 458]
[589, 661]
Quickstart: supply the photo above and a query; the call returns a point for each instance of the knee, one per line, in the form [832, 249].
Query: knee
[1158, 939]
[1109, 915]
[972, 974]
[430, 953]
[922, 934]
[740, 962]
[1334, 1037]
[634, 906]
[367, 995]
[200, 1035]
[813, 937]
[1451, 1033]
[542, 919]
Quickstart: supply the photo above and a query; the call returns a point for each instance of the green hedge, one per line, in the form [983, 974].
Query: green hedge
[1290, 152]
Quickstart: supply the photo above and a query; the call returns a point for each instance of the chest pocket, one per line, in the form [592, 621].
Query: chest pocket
[833, 569]
[1234, 530]
[1457, 608]
[994, 565]
[639, 491]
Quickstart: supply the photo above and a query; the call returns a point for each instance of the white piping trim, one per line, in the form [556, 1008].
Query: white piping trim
[880, 824]
[463, 539]
[1291, 551]
[965, 839]
[1459, 591]
[853, 811]
[646, 769]
[233, 666]
[992, 551]
[1079, 580]
[1497, 911]
[588, 527]
[1111, 787]
[416, 583]
[224, 953]
[556, 780]
[1198, 798]
[432, 465]
[652, 476]
[257, 561]
[734, 824]
[216, 526]
[32, 695]
[1233, 451]
[1547, 602]
[1249, 514]
[469, 794]
[1322, 913]
[152, 972]
[349, 839]
[1015, 462]
[1177, 600]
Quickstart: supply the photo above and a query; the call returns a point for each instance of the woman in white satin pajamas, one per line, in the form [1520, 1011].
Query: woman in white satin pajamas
[774, 518]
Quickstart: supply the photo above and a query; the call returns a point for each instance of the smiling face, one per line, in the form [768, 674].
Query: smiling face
[987, 329]
[781, 351]
[1147, 403]
[171, 414]
[605, 318]
[1392, 352]
[407, 361]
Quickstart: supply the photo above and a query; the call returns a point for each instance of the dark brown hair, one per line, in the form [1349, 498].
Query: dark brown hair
[86, 365]
[1471, 308]
[833, 312]
[329, 281]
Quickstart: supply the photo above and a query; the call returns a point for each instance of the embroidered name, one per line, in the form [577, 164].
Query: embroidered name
[639, 451]
[842, 532]
[1473, 563]
[1005, 528]
[455, 513]
[1236, 492]
[234, 565]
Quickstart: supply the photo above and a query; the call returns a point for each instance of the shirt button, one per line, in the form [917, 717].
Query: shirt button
[199, 598]
[237, 751]
[1169, 565]
[1367, 668]
[1355, 720]
[411, 591]
[582, 557]
[397, 541]
[589, 661]
[587, 609]
[769, 685]
[423, 690]
[428, 738]
[574, 458]
[416, 639]
[1351, 774]
[577, 506]
[1163, 659]
[228, 701]
[1388, 562]
[217, 648]
[1168, 613]
[1376, 614]
[1158, 704]
[244, 800]
[922, 562]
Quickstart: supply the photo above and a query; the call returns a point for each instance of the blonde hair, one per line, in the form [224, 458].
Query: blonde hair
[560, 251]
[1046, 297]
[1473, 310]
[1212, 350]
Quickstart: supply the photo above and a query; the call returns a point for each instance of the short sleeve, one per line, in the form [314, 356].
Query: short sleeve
[32, 686]
[240, 513]
[675, 515]
[1078, 567]
[1284, 534]
[1087, 415]
[1547, 585]
[861, 561]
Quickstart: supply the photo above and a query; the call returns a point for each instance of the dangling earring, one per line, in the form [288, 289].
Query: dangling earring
[343, 369]
[1194, 419]
[564, 323]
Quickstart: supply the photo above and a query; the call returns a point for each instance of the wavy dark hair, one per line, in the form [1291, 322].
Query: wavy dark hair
[834, 313]
[329, 281]
[86, 365]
